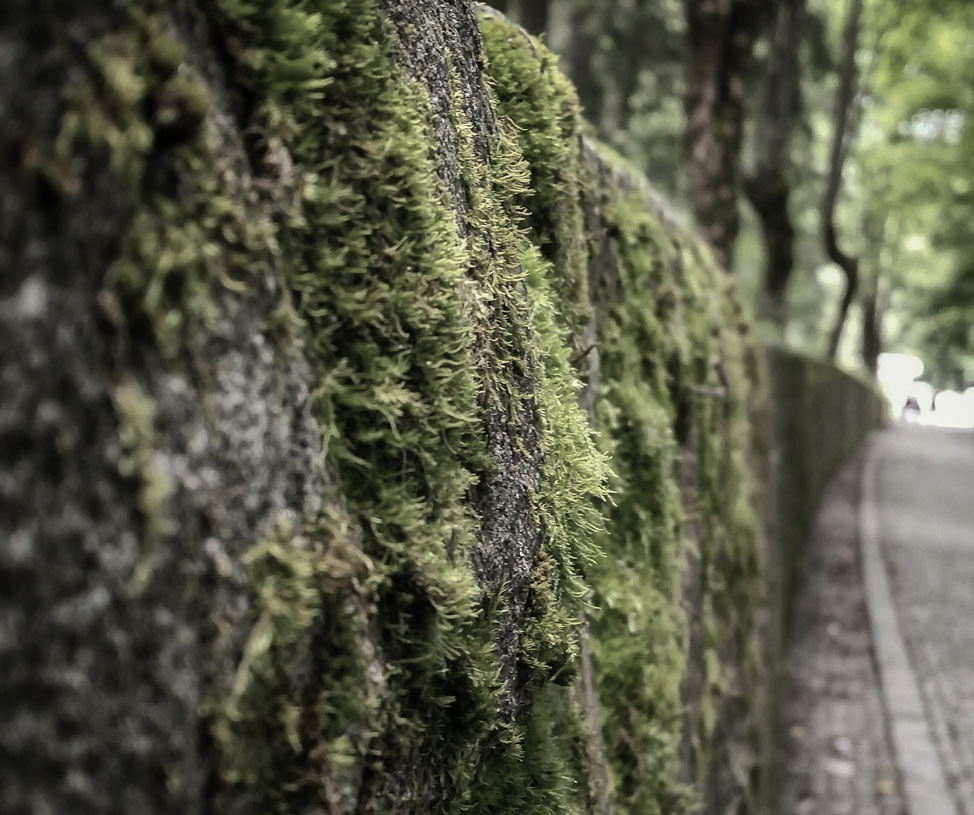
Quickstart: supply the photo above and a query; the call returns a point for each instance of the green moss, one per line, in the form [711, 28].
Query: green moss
[175, 253]
[659, 345]
[417, 336]
[196, 223]
[638, 627]
[413, 334]
[544, 771]
[510, 201]
[377, 274]
[106, 111]
[283, 720]
[573, 473]
[136, 412]
[138, 86]
[665, 354]
[548, 630]
[533, 93]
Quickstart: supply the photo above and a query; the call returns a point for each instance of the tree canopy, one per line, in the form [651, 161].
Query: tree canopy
[874, 94]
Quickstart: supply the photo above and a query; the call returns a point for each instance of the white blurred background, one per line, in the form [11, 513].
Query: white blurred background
[916, 401]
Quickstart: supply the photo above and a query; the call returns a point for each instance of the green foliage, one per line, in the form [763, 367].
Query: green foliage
[924, 137]
[905, 203]
[627, 60]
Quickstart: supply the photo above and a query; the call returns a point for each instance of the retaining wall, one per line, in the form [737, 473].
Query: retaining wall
[372, 440]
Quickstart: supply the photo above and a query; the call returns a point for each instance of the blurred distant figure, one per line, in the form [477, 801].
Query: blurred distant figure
[910, 410]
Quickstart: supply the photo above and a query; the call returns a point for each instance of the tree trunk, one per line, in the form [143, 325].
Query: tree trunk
[579, 62]
[769, 195]
[852, 287]
[872, 339]
[720, 42]
[875, 231]
[843, 102]
[767, 187]
[533, 15]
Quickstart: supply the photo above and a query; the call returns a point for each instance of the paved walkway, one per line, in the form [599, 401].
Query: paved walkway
[924, 505]
[836, 757]
[878, 714]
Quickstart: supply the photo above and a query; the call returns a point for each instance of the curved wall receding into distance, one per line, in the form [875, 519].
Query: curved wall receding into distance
[371, 440]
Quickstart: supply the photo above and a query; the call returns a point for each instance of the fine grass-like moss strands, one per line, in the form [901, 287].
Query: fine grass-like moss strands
[441, 311]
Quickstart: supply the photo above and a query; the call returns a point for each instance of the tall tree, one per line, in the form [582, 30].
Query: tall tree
[875, 228]
[720, 42]
[844, 95]
[626, 58]
[767, 186]
[533, 15]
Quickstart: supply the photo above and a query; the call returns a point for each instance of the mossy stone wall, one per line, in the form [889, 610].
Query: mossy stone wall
[821, 415]
[817, 416]
[372, 440]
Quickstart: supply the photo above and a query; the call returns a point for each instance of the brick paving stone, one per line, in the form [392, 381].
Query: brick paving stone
[836, 754]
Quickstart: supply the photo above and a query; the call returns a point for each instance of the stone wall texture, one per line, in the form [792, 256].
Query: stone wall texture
[371, 440]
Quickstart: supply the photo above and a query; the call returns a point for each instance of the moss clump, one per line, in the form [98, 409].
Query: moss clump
[666, 354]
[136, 412]
[196, 222]
[544, 770]
[658, 340]
[732, 542]
[540, 773]
[416, 336]
[548, 630]
[377, 273]
[638, 627]
[141, 97]
[304, 697]
[533, 93]
[526, 320]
